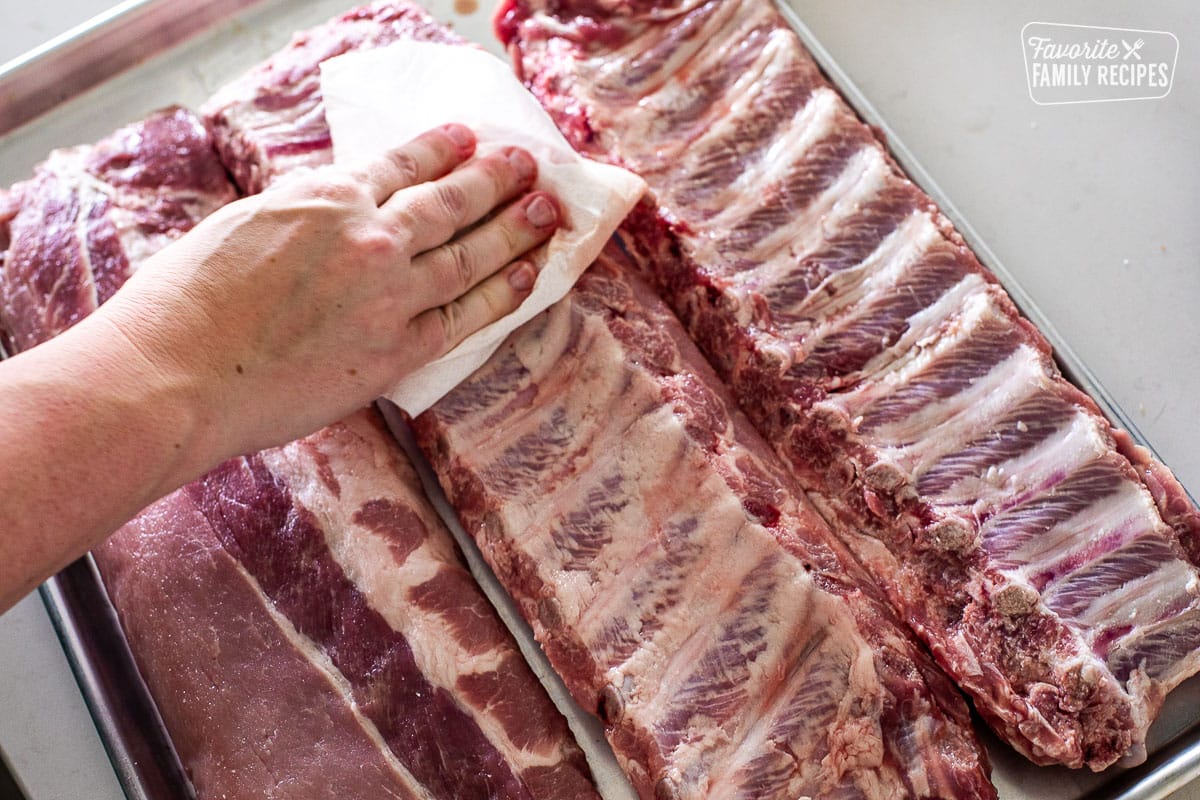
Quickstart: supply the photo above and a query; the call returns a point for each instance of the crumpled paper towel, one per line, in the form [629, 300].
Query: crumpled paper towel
[378, 99]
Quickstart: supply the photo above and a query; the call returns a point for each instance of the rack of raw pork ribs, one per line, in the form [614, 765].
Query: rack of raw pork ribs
[771, 542]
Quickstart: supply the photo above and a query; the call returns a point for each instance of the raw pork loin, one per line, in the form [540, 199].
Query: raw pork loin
[1029, 544]
[307, 629]
[75, 232]
[272, 119]
[675, 575]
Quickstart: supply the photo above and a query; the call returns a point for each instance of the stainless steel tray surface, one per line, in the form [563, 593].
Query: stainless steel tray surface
[146, 54]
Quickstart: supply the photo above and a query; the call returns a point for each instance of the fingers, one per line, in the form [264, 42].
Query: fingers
[434, 212]
[454, 268]
[444, 327]
[428, 157]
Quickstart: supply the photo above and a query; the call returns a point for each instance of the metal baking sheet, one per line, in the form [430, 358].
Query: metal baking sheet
[130, 727]
[146, 54]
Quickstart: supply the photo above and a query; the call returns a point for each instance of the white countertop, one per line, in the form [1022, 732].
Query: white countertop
[1094, 208]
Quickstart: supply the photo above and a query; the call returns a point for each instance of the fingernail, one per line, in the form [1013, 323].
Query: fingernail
[541, 212]
[461, 136]
[523, 163]
[522, 276]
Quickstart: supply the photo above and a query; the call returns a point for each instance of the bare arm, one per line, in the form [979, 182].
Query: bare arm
[276, 315]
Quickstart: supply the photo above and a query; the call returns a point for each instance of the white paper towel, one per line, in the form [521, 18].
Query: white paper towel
[378, 99]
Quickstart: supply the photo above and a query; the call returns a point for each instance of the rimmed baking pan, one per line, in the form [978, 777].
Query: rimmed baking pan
[146, 54]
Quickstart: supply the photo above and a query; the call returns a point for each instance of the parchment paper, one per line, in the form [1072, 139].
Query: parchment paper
[377, 99]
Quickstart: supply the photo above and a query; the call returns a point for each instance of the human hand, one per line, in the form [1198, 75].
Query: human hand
[287, 310]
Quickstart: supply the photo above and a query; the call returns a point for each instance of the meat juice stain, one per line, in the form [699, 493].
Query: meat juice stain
[465, 7]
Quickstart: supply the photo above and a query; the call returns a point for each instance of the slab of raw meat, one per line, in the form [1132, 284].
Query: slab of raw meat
[73, 233]
[675, 576]
[1027, 542]
[303, 618]
[272, 119]
[248, 705]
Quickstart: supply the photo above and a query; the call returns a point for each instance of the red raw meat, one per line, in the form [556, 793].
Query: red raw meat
[676, 577]
[71, 235]
[1028, 543]
[302, 617]
[272, 119]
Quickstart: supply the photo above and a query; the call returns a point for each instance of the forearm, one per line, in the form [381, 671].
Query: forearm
[90, 433]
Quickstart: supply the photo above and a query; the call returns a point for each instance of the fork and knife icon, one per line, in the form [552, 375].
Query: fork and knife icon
[1131, 50]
